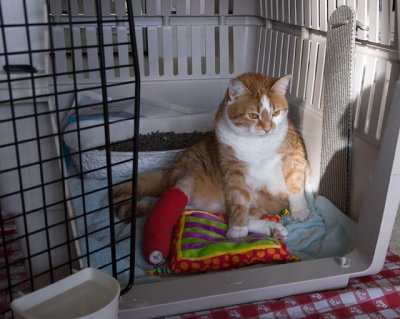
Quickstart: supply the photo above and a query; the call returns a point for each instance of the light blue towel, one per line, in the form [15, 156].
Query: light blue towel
[97, 225]
[328, 232]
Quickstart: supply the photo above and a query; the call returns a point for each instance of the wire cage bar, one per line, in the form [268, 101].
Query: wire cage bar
[60, 67]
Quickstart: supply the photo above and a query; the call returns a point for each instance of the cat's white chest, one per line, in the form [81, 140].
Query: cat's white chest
[266, 173]
[261, 156]
[264, 164]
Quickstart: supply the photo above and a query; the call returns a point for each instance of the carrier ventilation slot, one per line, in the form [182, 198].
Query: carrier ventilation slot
[188, 51]
[378, 16]
[374, 78]
[160, 7]
[168, 51]
[170, 8]
[302, 58]
[81, 42]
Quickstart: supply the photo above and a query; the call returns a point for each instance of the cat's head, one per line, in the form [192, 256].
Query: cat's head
[255, 104]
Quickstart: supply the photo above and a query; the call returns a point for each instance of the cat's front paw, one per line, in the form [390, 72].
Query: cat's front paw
[235, 232]
[279, 231]
[301, 215]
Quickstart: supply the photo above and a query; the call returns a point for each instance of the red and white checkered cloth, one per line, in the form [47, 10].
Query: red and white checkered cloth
[375, 296]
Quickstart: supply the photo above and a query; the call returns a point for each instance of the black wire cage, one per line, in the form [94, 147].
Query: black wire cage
[69, 79]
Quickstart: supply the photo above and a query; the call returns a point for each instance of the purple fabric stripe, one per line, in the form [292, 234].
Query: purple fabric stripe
[206, 216]
[205, 227]
[194, 245]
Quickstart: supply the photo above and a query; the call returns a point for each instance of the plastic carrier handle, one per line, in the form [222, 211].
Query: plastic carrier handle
[19, 68]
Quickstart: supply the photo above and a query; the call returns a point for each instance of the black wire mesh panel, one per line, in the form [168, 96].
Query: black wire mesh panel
[69, 85]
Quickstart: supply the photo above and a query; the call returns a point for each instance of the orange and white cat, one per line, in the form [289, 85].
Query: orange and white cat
[253, 163]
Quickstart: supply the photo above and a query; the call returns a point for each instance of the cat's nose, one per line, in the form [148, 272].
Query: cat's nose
[267, 130]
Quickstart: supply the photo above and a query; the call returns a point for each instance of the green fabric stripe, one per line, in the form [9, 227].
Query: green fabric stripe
[220, 225]
[226, 247]
[202, 231]
[193, 240]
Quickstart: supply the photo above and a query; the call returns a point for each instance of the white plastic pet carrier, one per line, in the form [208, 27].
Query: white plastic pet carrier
[68, 89]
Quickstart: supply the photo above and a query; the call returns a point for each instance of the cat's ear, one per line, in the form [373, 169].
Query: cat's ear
[236, 89]
[282, 84]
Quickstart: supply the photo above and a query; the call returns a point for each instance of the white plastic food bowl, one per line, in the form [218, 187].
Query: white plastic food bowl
[89, 293]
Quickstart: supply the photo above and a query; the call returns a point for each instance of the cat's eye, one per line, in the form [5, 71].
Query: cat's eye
[253, 116]
[276, 113]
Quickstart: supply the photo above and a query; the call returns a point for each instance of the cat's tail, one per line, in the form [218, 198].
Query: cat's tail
[150, 185]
